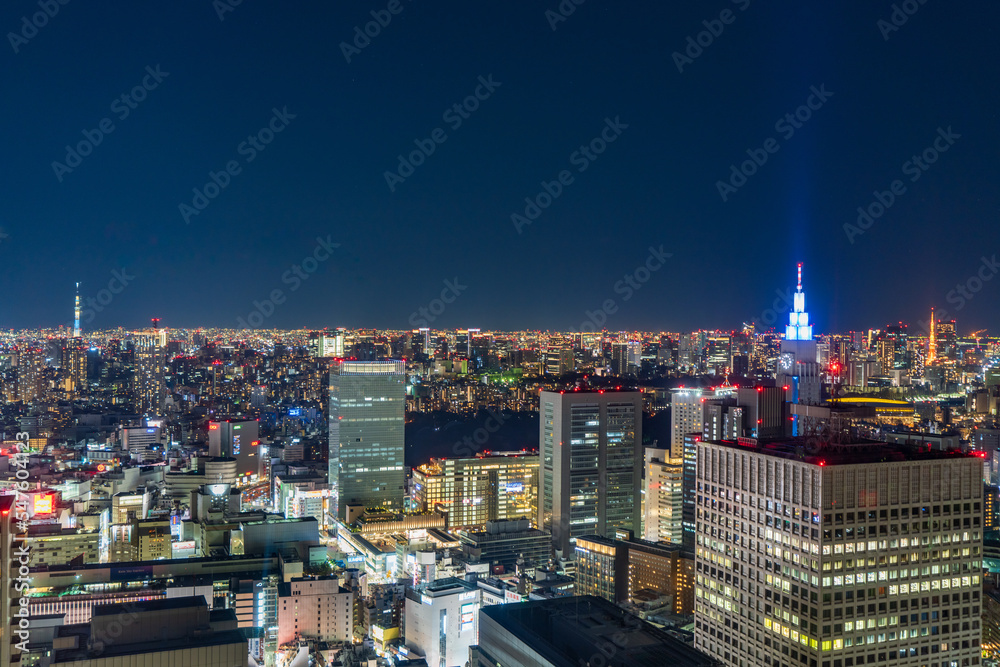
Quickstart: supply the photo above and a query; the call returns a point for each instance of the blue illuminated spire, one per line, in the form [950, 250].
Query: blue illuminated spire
[798, 327]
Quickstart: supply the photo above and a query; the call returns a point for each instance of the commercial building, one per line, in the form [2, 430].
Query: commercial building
[177, 631]
[367, 402]
[442, 621]
[591, 466]
[314, 608]
[572, 631]
[846, 554]
[472, 491]
[503, 543]
[238, 439]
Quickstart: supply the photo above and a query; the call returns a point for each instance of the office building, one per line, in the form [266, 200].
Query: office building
[763, 412]
[442, 621]
[474, 490]
[367, 403]
[573, 631]
[664, 496]
[635, 571]
[238, 439]
[502, 544]
[848, 554]
[591, 468]
[315, 608]
[692, 410]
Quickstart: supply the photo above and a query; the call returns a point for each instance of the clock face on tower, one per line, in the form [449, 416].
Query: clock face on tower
[785, 362]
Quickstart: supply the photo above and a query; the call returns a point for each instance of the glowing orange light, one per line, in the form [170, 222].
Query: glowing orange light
[43, 504]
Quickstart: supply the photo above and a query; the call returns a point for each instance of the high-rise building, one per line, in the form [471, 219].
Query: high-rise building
[693, 410]
[799, 370]
[367, 403]
[847, 554]
[947, 340]
[149, 387]
[664, 496]
[474, 490]
[591, 466]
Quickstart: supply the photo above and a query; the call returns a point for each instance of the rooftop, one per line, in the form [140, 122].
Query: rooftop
[808, 450]
[572, 631]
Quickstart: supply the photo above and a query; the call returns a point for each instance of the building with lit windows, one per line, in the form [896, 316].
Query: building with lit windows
[591, 467]
[841, 554]
[472, 491]
[632, 570]
[442, 621]
[314, 608]
[367, 403]
[238, 439]
[664, 496]
[502, 544]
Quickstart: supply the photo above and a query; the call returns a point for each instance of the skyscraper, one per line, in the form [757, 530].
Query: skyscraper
[854, 554]
[798, 367]
[591, 446]
[367, 402]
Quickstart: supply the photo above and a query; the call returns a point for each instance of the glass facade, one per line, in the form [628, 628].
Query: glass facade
[367, 403]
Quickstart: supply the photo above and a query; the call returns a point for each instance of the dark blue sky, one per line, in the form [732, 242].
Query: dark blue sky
[656, 184]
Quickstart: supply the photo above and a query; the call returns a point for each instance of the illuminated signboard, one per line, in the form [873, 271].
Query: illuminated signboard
[213, 427]
[43, 504]
[515, 487]
[236, 444]
[183, 546]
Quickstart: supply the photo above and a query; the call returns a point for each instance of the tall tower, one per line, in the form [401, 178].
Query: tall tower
[76, 314]
[932, 343]
[367, 402]
[798, 365]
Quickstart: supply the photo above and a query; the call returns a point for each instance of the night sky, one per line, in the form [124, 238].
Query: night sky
[607, 67]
